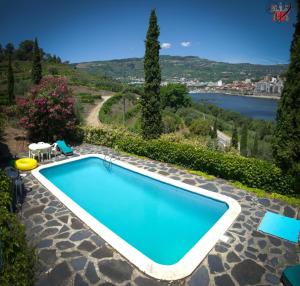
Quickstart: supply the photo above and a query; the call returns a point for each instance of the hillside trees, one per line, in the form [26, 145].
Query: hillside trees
[244, 141]
[200, 127]
[9, 49]
[25, 50]
[151, 119]
[36, 72]
[10, 81]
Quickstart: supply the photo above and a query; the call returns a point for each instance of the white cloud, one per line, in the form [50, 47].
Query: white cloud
[166, 45]
[186, 44]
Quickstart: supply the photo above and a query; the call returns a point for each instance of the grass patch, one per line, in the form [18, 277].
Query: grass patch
[291, 200]
[88, 97]
[202, 174]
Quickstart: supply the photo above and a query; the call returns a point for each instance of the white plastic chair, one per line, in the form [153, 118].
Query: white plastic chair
[46, 152]
[53, 150]
[35, 153]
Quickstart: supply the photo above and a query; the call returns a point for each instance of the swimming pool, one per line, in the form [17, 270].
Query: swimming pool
[163, 226]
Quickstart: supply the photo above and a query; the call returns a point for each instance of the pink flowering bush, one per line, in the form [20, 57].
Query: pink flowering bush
[48, 111]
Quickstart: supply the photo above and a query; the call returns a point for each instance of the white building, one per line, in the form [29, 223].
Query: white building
[273, 86]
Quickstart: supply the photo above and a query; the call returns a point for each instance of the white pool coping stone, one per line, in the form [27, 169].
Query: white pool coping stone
[188, 263]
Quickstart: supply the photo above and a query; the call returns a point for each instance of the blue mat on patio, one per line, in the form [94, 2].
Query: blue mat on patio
[280, 226]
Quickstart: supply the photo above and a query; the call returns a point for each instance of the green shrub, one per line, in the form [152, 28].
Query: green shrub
[87, 100]
[133, 112]
[88, 97]
[200, 127]
[23, 86]
[18, 258]
[189, 114]
[249, 171]
[101, 136]
[53, 71]
[171, 122]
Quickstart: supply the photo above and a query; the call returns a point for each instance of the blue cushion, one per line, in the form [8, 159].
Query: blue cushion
[64, 148]
[280, 226]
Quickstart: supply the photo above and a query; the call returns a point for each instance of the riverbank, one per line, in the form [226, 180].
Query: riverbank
[261, 95]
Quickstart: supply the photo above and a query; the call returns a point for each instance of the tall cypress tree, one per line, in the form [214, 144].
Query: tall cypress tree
[151, 121]
[10, 81]
[9, 49]
[254, 152]
[235, 138]
[244, 141]
[286, 139]
[214, 132]
[36, 72]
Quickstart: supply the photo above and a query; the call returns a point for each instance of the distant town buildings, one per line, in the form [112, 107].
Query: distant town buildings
[267, 86]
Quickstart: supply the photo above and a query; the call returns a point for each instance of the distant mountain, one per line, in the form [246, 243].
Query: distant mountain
[190, 67]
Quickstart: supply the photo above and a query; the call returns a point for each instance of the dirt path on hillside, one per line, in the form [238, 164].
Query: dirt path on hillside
[93, 118]
[223, 139]
[90, 112]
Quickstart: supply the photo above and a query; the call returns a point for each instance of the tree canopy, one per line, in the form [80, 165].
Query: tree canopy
[175, 95]
[25, 50]
[286, 139]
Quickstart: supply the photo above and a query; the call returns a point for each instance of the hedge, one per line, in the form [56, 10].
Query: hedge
[249, 171]
[17, 259]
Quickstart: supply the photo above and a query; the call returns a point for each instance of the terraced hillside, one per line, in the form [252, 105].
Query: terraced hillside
[188, 67]
[22, 74]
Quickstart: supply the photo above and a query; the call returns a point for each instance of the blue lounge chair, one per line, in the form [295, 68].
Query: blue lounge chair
[64, 148]
[291, 276]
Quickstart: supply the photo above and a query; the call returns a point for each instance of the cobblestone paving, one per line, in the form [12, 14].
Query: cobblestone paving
[71, 254]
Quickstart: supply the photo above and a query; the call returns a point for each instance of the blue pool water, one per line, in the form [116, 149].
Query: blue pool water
[160, 220]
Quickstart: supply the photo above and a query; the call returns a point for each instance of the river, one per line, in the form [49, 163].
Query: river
[258, 108]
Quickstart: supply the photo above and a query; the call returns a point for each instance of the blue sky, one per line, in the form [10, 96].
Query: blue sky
[87, 30]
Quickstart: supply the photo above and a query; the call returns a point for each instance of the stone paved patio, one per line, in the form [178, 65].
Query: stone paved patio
[71, 254]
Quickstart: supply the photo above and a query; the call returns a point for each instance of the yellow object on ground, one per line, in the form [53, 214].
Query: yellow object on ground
[25, 164]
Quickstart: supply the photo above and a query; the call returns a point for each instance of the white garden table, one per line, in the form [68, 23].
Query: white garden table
[39, 149]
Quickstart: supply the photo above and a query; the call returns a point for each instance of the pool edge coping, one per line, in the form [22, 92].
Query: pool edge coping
[188, 263]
